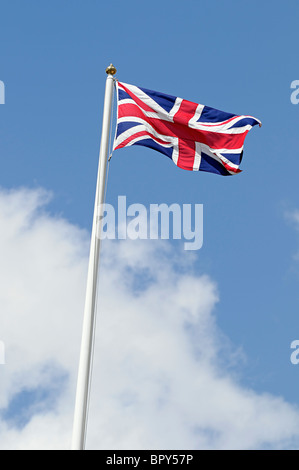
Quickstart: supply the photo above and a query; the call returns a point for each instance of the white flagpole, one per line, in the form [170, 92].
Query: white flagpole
[80, 415]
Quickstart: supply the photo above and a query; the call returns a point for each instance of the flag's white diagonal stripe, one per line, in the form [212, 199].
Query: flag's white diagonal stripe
[147, 100]
[144, 126]
[175, 108]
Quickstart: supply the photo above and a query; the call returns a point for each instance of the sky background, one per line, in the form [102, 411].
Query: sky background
[192, 348]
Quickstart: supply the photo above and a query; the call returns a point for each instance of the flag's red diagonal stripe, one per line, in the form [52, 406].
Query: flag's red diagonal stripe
[135, 98]
[230, 168]
[140, 134]
[213, 124]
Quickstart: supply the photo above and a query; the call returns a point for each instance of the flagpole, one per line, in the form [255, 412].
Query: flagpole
[83, 381]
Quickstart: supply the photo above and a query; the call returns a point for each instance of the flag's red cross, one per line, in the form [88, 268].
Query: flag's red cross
[178, 127]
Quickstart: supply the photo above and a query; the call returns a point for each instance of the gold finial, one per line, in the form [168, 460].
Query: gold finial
[111, 70]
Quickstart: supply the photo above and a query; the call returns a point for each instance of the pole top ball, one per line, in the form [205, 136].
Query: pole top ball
[111, 70]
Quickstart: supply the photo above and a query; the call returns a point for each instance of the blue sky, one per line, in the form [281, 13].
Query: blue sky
[237, 57]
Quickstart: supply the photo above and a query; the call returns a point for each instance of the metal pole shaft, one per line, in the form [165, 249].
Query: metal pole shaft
[83, 381]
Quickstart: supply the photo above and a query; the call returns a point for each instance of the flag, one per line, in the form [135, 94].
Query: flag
[194, 136]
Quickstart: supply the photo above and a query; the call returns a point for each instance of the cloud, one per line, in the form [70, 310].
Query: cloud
[292, 217]
[163, 373]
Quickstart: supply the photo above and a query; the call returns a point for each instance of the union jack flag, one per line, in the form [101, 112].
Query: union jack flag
[194, 136]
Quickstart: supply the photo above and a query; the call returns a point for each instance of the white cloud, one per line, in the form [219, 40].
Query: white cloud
[157, 381]
[292, 216]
